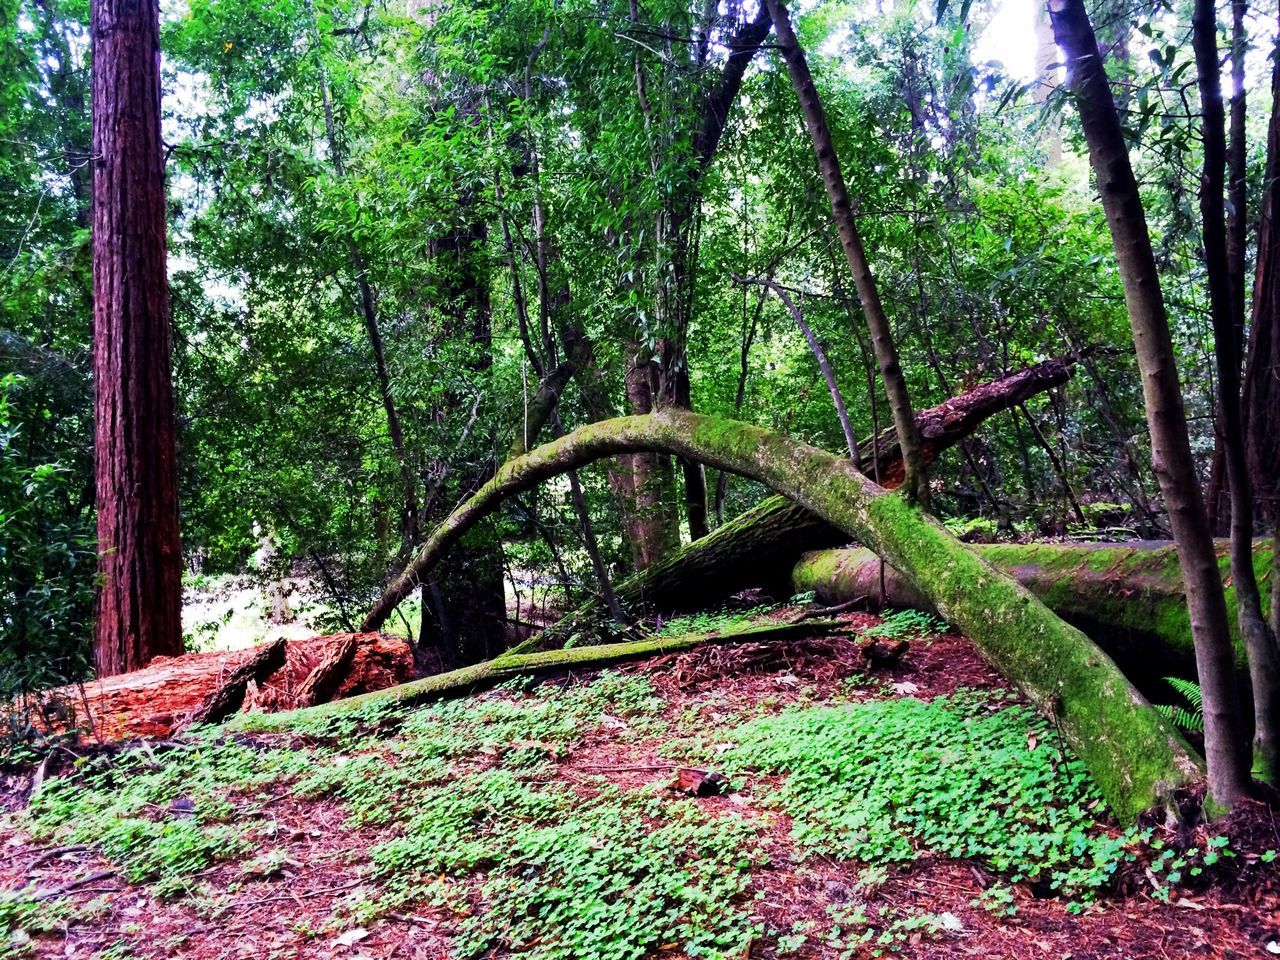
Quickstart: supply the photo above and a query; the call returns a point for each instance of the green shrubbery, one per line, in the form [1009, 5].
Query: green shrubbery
[47, 563]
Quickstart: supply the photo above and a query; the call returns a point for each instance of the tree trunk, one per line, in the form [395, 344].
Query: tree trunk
[895, 384]
[1264, 664]
[653, 536]
[136, 471]
[758, 547]
[1261, 383]
[1135, 756]
[1128, 597]
[1162, 393]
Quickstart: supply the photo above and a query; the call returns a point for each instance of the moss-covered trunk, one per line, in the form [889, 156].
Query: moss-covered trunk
[1127, 597]
[490, 673]
[759, 547]
[1136, 757]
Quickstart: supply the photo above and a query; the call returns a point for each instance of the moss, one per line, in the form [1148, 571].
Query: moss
[509, 665]
[1126, 745]
[1134, 754]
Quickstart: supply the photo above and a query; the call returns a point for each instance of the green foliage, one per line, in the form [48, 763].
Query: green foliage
[711, 622]
[962, 776]
[1188, 715]
[615, 876]
[47, 563]
[904, 625]
[162, 818]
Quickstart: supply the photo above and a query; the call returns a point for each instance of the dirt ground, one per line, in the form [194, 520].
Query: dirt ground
[321, 861]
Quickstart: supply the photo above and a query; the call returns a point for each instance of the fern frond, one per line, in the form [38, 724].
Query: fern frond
[1181, 717]
[1189, 690]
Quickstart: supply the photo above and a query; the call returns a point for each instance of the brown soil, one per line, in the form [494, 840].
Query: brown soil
[320, 859]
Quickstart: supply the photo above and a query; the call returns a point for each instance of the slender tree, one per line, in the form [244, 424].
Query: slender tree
[895, 384]
[1162, 395]
[1224, 281]
[140, 597]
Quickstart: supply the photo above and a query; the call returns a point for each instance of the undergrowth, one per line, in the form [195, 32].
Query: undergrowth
[885, 781]
[471, 813]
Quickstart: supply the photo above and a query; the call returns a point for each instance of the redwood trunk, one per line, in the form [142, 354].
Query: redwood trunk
[1162, 394]
[136, 472]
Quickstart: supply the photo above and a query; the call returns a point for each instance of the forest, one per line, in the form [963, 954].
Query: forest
[619, 479]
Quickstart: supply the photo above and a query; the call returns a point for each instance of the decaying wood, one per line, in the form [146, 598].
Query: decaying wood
[229, 697]
[323, 682]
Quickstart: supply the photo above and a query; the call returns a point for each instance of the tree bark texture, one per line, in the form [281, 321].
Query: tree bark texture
[1162, 395]
[229, 697]
[1135, 756]
[135, 445]
[323, 681]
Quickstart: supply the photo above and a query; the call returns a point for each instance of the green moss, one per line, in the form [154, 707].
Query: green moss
[1135, 756]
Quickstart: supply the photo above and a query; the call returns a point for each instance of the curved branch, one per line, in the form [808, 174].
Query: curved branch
[1135, 756]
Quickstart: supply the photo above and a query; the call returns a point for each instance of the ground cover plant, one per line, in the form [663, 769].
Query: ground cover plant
[539, 820]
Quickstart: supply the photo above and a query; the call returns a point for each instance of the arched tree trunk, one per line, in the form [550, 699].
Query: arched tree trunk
[758, 547]
[1134, 755]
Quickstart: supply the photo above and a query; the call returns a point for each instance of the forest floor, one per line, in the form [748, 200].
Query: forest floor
[749, 801]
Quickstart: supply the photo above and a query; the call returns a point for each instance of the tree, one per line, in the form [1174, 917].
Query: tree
[1162, 391]
[915, 483]
[140, 596]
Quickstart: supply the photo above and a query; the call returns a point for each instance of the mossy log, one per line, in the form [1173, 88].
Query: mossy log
[1127, 596]
[729, 559]
[490, 673]
[758, 547]
[1136, 757]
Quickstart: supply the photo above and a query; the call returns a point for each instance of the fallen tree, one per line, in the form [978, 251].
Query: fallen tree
[1128, 597]
[771, 535]
[323, 682]
[1136, 757]
[490, 673]
[230, 694]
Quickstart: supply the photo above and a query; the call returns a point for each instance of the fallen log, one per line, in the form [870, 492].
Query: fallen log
[773, 534]
[229, 696]
[1135, 756]
[323, 682]
[1127, 596]
[490, 673]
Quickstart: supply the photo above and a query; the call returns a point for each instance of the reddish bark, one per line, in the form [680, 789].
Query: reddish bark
[139, 601]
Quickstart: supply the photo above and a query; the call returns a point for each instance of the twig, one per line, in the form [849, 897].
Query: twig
[827, 611]
[73, 885]
[308, 893]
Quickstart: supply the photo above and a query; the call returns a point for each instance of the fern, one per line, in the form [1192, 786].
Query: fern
[1181, 717]
[1189, 690]
[1185, 719]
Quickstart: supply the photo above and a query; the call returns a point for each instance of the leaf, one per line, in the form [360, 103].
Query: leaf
[351, 937]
